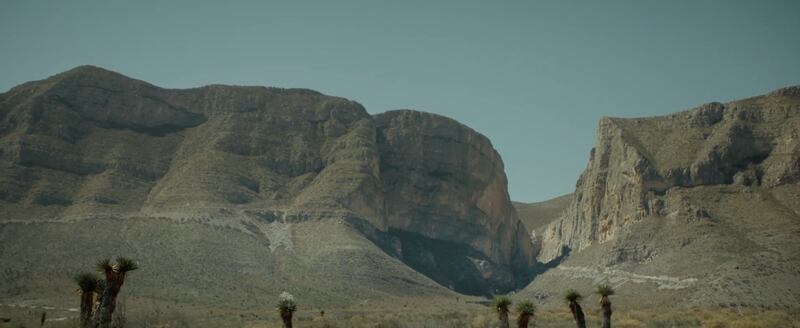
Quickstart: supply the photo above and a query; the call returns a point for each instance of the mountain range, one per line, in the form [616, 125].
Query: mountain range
[229, 195]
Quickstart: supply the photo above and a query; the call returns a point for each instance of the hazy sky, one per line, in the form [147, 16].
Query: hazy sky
[532, 76]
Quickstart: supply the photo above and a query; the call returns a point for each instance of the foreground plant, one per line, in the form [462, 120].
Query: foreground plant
[525, 310]
[573, 298]
[605, 291]
[115, 277]
[88, 286]
[501, 304]
[286, 308]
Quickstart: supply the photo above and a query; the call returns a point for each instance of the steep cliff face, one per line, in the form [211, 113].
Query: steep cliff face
[753, 142]
[444, 181]
[91, 143]
[701, 206]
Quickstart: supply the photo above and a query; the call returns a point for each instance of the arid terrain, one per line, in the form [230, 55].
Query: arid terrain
[227, 196]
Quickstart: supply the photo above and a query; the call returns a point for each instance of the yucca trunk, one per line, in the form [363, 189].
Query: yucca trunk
[522, 320]
[107, 306]
[108, 301]
[577, 314]
[96, 310]
[502, 315]
[286, 316]
[605, 303]
[87, 305]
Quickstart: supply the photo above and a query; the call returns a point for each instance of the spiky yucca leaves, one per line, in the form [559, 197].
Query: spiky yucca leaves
[115, 275]
[605, 290]
[573, 298]
[104, 265]
[87, 282]
[525, 310]
[605, 303]
[125, 264]
[88, 286]
[286, 307]
[501, 304]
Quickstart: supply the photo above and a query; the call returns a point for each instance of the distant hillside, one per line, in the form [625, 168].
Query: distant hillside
[537, 215]
[697, 208]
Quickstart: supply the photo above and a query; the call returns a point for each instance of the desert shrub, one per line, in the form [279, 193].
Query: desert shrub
[629, 323]
[481, 321]
[715, 323]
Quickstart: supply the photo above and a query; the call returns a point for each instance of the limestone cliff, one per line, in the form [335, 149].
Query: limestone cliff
[637, 162]
[444, 181]
[700, 206]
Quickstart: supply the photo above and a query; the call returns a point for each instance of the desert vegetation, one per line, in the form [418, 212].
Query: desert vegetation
[428, 316]
[89, 285]
[93, 290]
[501, 304]
[98, 296]
[114, 279]
[573, 300]
[525, 311]
[286, 307]
[605, 304]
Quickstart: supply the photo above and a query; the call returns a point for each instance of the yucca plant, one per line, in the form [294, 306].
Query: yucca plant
[605, 291]
[286, 307]
[115, 277]
[88, 286]
[501, 304]
[525, 310]
[573, 299]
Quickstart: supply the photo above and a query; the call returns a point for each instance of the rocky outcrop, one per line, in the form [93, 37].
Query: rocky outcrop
[636, 162]
[444, 181]
[91, 143]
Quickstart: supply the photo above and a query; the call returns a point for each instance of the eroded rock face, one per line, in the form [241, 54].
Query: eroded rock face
[90, 134]
[444, 181]
[636, 162]
[90, 142]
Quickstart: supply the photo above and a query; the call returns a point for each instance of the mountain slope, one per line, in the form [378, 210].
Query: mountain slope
[539, 214]
[248, 190]
[699, 206]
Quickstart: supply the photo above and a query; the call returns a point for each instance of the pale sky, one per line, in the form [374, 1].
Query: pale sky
[533, 76]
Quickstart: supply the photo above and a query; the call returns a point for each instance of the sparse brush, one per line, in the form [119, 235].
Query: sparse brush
[605, 290]
[573, 296]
